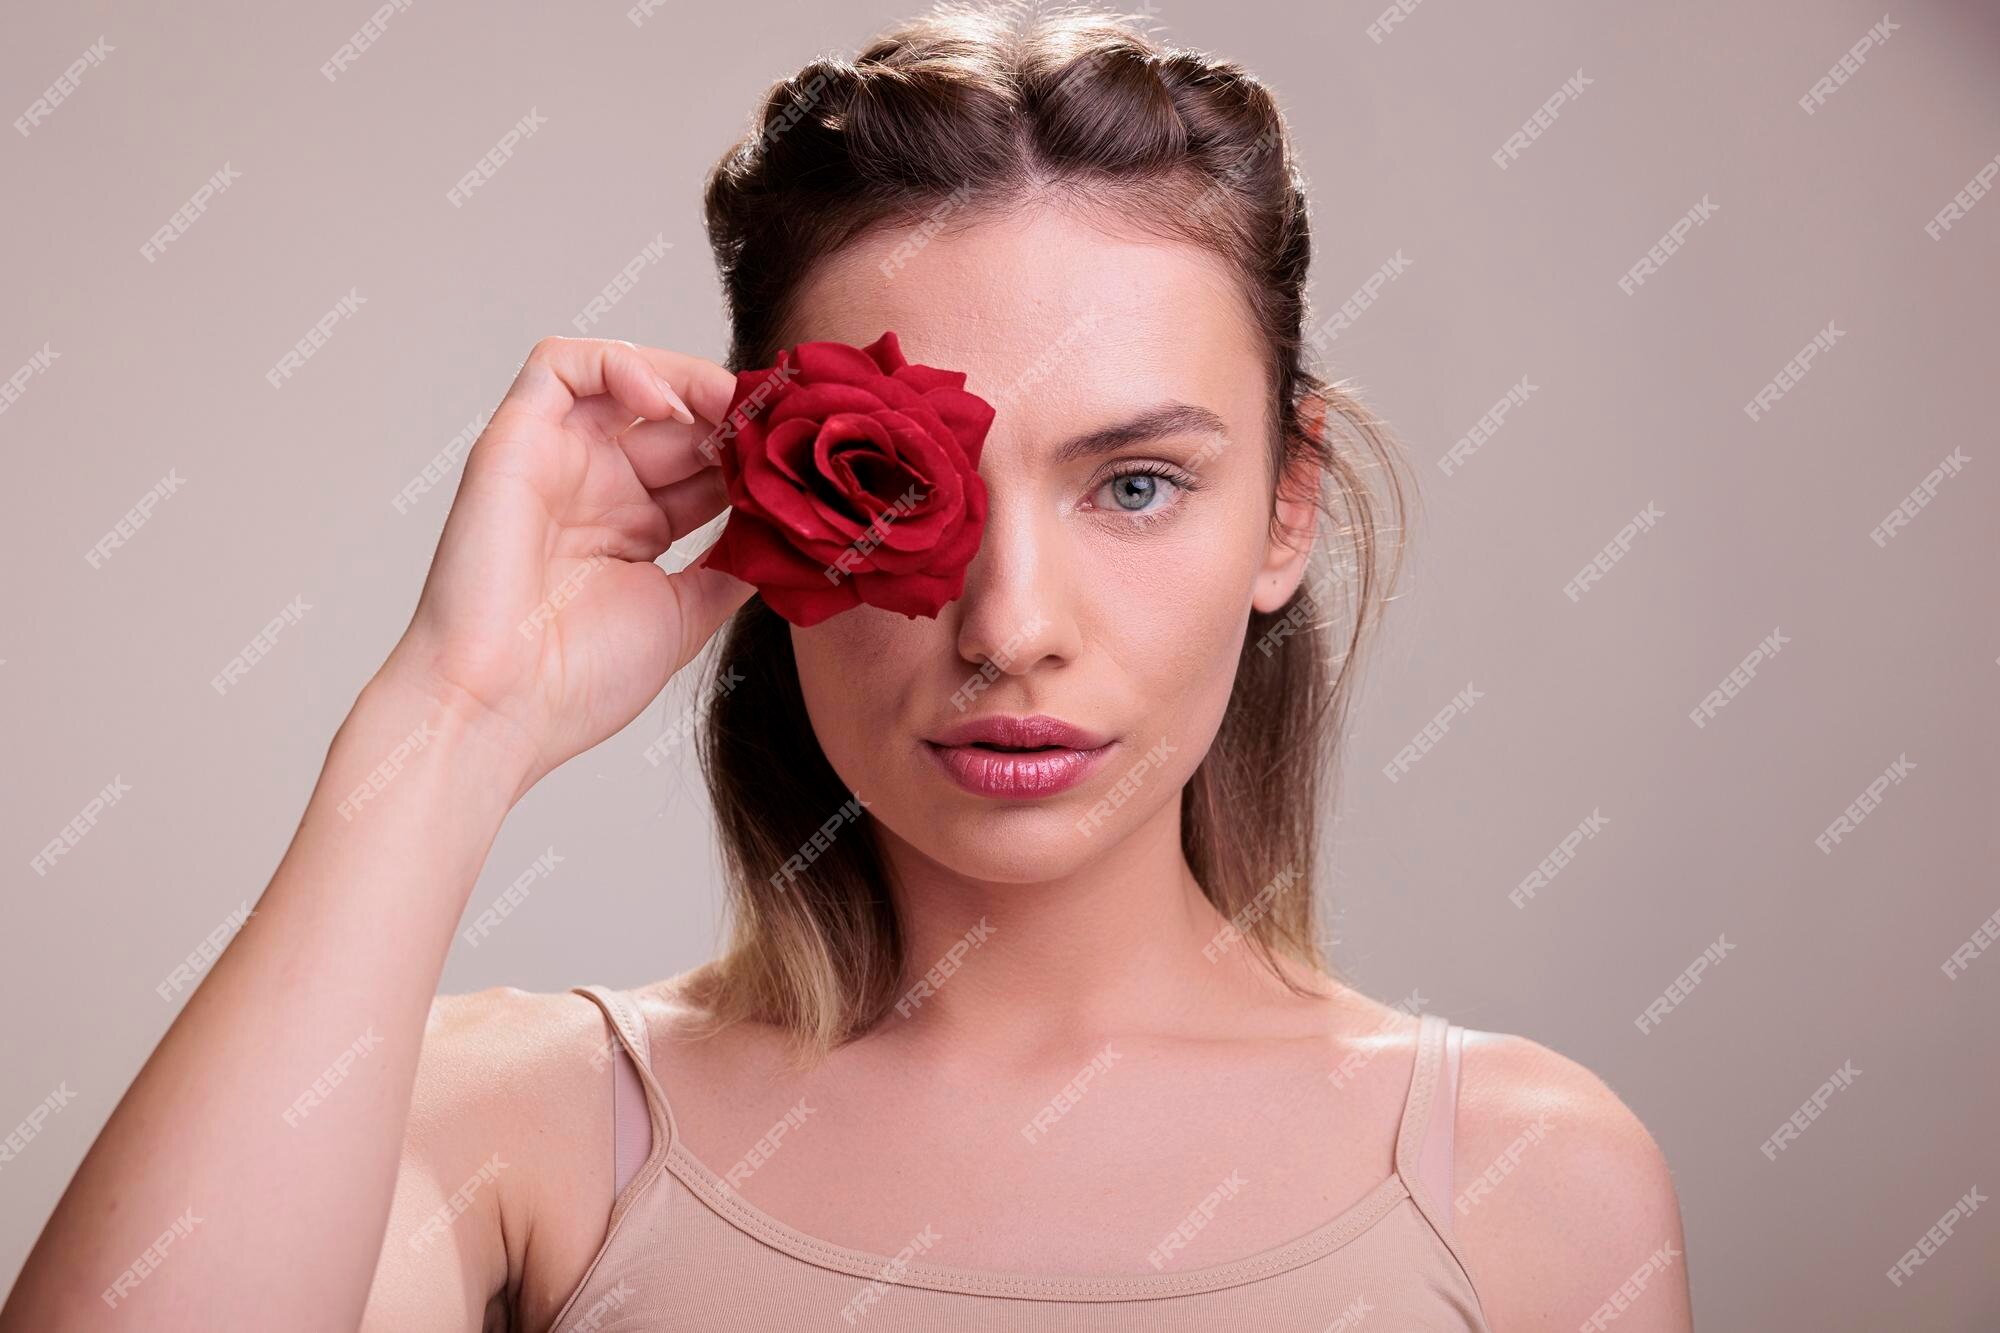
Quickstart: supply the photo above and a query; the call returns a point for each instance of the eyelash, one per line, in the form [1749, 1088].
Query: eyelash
[1182, 480]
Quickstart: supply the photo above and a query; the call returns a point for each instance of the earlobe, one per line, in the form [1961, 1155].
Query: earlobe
[1284, 563]
[1274, 587]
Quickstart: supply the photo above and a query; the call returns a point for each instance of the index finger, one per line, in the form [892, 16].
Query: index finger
[561, 372]
[703, 384]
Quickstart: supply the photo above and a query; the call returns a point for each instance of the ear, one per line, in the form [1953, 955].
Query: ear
[1296, 517]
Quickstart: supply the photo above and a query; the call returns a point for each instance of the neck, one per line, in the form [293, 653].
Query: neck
[1113, 946]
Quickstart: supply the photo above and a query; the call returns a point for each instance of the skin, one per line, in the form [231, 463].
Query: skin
[1061, 557]
[1096, 941]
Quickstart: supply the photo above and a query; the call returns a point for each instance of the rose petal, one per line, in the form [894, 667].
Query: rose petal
[915, 447]
[834, 490]
[912, 594]
[935, 465]
[959, 545]
[777, 485]
[926, 378]
[748, 384]
[887, 352]
[967, 416]
[806, 609]
[820, 401]
[797, 588]
[851, 428]
[757, 553]
[787, 451]
[900, 397]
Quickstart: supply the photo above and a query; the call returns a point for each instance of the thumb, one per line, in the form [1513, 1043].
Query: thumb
[706, 597]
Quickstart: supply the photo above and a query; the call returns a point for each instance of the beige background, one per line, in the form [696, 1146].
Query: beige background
[287, 493]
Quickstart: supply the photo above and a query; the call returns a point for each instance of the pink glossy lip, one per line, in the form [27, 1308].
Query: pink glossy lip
[1043, 755]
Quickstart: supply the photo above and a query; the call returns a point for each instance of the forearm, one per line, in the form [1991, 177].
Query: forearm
[245, 1178]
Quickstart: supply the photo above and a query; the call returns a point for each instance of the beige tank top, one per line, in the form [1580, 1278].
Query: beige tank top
[684, 1252]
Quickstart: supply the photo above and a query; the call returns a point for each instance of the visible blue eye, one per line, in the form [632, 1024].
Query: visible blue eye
[1143, 491]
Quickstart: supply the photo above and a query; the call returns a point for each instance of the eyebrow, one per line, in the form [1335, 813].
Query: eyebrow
[1165, 419]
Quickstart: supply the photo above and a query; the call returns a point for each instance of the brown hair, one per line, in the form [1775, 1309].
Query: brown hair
[994, 112]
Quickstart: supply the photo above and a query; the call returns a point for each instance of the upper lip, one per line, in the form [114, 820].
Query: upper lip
[1021, 733]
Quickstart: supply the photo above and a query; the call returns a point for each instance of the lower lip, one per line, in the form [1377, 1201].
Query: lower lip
[1014, 775]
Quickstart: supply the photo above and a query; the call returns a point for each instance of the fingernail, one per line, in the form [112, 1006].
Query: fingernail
[674, 401]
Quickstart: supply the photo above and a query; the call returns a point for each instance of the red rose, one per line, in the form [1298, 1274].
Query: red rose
[852, 477]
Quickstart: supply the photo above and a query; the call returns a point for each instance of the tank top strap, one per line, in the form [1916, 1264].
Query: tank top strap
[1424, 1138]
[642, 1122]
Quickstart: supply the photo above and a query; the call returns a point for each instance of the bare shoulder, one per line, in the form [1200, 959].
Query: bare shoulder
[506, 1178]
[1564, 1205]
[508, 1061]
[687, 1039]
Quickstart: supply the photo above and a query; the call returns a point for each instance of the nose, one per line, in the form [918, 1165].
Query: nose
[1017, 611]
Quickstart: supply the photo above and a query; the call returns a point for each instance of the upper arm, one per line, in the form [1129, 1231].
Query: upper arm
[452, 1248]
[1563, 1203]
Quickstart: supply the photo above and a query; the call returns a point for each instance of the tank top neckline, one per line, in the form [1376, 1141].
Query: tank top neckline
[668, 1155]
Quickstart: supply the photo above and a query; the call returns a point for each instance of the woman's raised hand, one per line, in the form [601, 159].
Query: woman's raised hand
[543, 613]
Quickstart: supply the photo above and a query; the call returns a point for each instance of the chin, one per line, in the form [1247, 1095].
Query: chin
[1021, 843]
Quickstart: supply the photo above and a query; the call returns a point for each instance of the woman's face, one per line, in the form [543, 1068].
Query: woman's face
[1111, 599]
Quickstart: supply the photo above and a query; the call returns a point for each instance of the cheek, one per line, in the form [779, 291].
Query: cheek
[855, 672]
[1185, 648]
[1172, 616]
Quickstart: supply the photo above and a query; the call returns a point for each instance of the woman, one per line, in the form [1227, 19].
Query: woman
[998, 1041]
